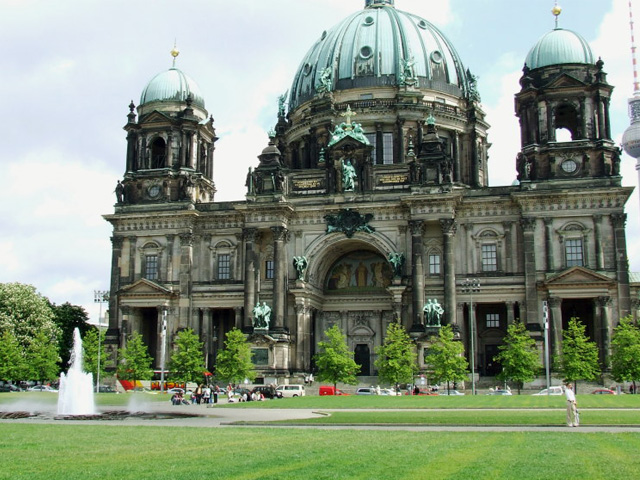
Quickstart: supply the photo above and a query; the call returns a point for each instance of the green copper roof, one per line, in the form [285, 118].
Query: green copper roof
[379, 46]
[171, 86]
[559, 47]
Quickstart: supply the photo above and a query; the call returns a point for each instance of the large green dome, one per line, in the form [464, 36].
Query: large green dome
[172, 86]
[559, 47]
[375, 47]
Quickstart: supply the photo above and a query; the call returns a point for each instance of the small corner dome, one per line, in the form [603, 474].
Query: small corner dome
[172, 85]
[557, 47]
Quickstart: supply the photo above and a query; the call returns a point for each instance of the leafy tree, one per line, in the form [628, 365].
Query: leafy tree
[625, 355]
[42, 358]
[579, 357]
[67, 318]
[135, 361]
[233, 362]
[24, 313]
[187, 361]
[446, 358]
[519, 356]
[12, 363]
[334, 360]
[90, 347]
[397, 358]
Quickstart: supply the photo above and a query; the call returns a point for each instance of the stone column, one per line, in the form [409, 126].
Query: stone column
[548, 243]
[597, 224]
[417, 271]
[170, 242]
[529, 248]
[509, 251]
[622, 263]
[169, 159]
[205, 334]
[132, 260]
[457, 175]
[279, 277]
[555, 325]
[185, 280]
[449, 227]
[510, 314]
[249, 275]
[116, 253]
[604, 304]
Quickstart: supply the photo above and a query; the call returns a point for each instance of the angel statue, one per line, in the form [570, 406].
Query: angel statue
[300, 263]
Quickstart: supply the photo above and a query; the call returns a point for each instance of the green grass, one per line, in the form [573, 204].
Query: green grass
[97, 452]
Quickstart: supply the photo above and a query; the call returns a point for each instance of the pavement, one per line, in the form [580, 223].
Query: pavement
[213, 416]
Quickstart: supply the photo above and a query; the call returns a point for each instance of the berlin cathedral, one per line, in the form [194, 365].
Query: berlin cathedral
[370, 204]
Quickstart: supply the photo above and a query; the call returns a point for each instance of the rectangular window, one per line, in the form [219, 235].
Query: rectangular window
[573, 251]
[260, 356]
[434, 264]
[224, 266]
[489, 258]
[151, 267]
[387, 148]
[493, 320]
[268, 270]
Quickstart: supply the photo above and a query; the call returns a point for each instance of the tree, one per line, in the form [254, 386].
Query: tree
[446, 359]
[42, 358]
[67, 318]
[625, 354]
[397, 359]
[187, 361]
[135, 361]
[90, 347]
[519, 356]
[12, 363]
[25, 313]
[334, 359]
[233, 362]
[579, 357]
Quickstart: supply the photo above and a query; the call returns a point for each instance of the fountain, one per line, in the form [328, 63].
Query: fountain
[76, 387]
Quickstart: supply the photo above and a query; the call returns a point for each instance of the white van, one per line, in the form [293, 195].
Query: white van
[291, 390]
[558, 390]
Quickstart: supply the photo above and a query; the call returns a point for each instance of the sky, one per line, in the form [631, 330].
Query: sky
[71, 68]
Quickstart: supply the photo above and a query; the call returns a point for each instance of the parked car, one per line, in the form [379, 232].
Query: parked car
[388, 391]
[8, 387]
[42, 388]
[603, 391]
[291, 390]
[175, 390]
[499, 392]
[366, 391]
[330, 390]
[106, 389]
[268, 391]
[557, 390]
[450, 392]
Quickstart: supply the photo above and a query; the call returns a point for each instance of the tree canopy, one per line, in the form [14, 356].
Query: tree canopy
[13, 366]
[67, 318]
[625, 351]
[446, 360]
[135, 361]
[90, 346]
[187, 360]
[334, 360]
[42, 358]
[519, 356]
[233, 362]
[397, 358]
[579, 357]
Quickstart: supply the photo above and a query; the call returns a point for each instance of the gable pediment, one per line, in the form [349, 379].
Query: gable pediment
[156, 117]
[145, 288]
[563, 81]
[578, 276]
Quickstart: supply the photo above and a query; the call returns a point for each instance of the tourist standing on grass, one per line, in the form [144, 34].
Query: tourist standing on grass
[572, 406]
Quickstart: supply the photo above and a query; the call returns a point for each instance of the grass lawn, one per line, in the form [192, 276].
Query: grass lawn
[85, 452]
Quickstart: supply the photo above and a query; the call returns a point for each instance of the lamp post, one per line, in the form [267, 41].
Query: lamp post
[100, 297]
[163, 339]
[471, 285]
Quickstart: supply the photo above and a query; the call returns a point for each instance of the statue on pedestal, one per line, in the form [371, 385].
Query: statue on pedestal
[433, 312]
[261, 316]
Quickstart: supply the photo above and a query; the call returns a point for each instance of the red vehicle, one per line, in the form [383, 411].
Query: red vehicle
[330, 390]
[603, 391]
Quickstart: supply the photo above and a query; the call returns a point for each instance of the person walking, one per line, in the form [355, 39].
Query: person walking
[572, 406]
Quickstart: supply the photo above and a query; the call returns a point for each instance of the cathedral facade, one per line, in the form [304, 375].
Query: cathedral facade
[371, 204]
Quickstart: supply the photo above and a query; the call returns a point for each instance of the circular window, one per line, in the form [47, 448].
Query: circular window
[436, 56]
[306, 69]
[368, 21]
[154, 191]
[366, 52]
[569, 166]
[422, 24]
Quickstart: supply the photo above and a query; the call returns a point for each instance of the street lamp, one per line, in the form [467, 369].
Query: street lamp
[100, 297]
[163, 339]
[471, 285]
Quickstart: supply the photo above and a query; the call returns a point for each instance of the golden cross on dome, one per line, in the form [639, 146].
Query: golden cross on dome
[174, 53]
[348, 114]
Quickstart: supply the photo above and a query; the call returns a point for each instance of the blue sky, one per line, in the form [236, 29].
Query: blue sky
[71, 68]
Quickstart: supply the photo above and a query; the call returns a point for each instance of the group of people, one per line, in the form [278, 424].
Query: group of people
[203, 394]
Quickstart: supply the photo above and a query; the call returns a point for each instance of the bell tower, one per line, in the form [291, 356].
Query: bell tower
[563, 108]
[170, 145]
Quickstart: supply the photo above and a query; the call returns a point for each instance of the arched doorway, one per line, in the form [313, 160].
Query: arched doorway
[362, 356]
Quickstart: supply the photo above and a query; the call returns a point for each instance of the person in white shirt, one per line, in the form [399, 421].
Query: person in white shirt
[572, 406]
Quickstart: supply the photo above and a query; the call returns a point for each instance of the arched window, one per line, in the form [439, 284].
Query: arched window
[158, 153]
[574, 236]
[566, 123]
